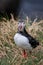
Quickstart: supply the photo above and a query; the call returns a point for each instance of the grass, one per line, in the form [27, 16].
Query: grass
[40, 36]
[10, 54]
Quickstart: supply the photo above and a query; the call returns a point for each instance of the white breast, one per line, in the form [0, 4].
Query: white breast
[22, 41]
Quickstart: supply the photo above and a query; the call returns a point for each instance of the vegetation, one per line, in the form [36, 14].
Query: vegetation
[10, 54]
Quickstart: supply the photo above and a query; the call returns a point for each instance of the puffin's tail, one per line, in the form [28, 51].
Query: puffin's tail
[34, 43]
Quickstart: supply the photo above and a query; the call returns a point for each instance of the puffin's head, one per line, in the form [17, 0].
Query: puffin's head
[21, 26]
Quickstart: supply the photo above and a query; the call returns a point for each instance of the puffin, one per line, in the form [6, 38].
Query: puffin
[24, 40]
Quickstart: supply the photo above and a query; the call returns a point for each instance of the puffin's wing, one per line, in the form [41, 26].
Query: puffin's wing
[34, 43]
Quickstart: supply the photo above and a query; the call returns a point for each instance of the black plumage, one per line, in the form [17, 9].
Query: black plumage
[34, 43]
[24, 40]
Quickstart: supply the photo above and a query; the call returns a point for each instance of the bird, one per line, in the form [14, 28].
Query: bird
[24, 40]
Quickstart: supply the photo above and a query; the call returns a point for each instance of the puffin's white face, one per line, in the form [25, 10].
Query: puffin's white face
[21, 26]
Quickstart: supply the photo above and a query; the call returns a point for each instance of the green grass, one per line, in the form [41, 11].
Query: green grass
[10, 59]
[40, 36]
[10, 54]
[4, 16]
[4, 61]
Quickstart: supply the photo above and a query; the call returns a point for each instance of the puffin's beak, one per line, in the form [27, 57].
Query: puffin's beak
[20, 27]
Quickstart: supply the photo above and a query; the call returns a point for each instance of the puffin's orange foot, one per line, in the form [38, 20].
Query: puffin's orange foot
[24, 54]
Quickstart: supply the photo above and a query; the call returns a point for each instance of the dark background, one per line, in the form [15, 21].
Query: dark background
[22, 8]
[31, 8]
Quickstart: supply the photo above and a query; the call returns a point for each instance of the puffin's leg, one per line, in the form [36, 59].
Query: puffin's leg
[24, 54]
